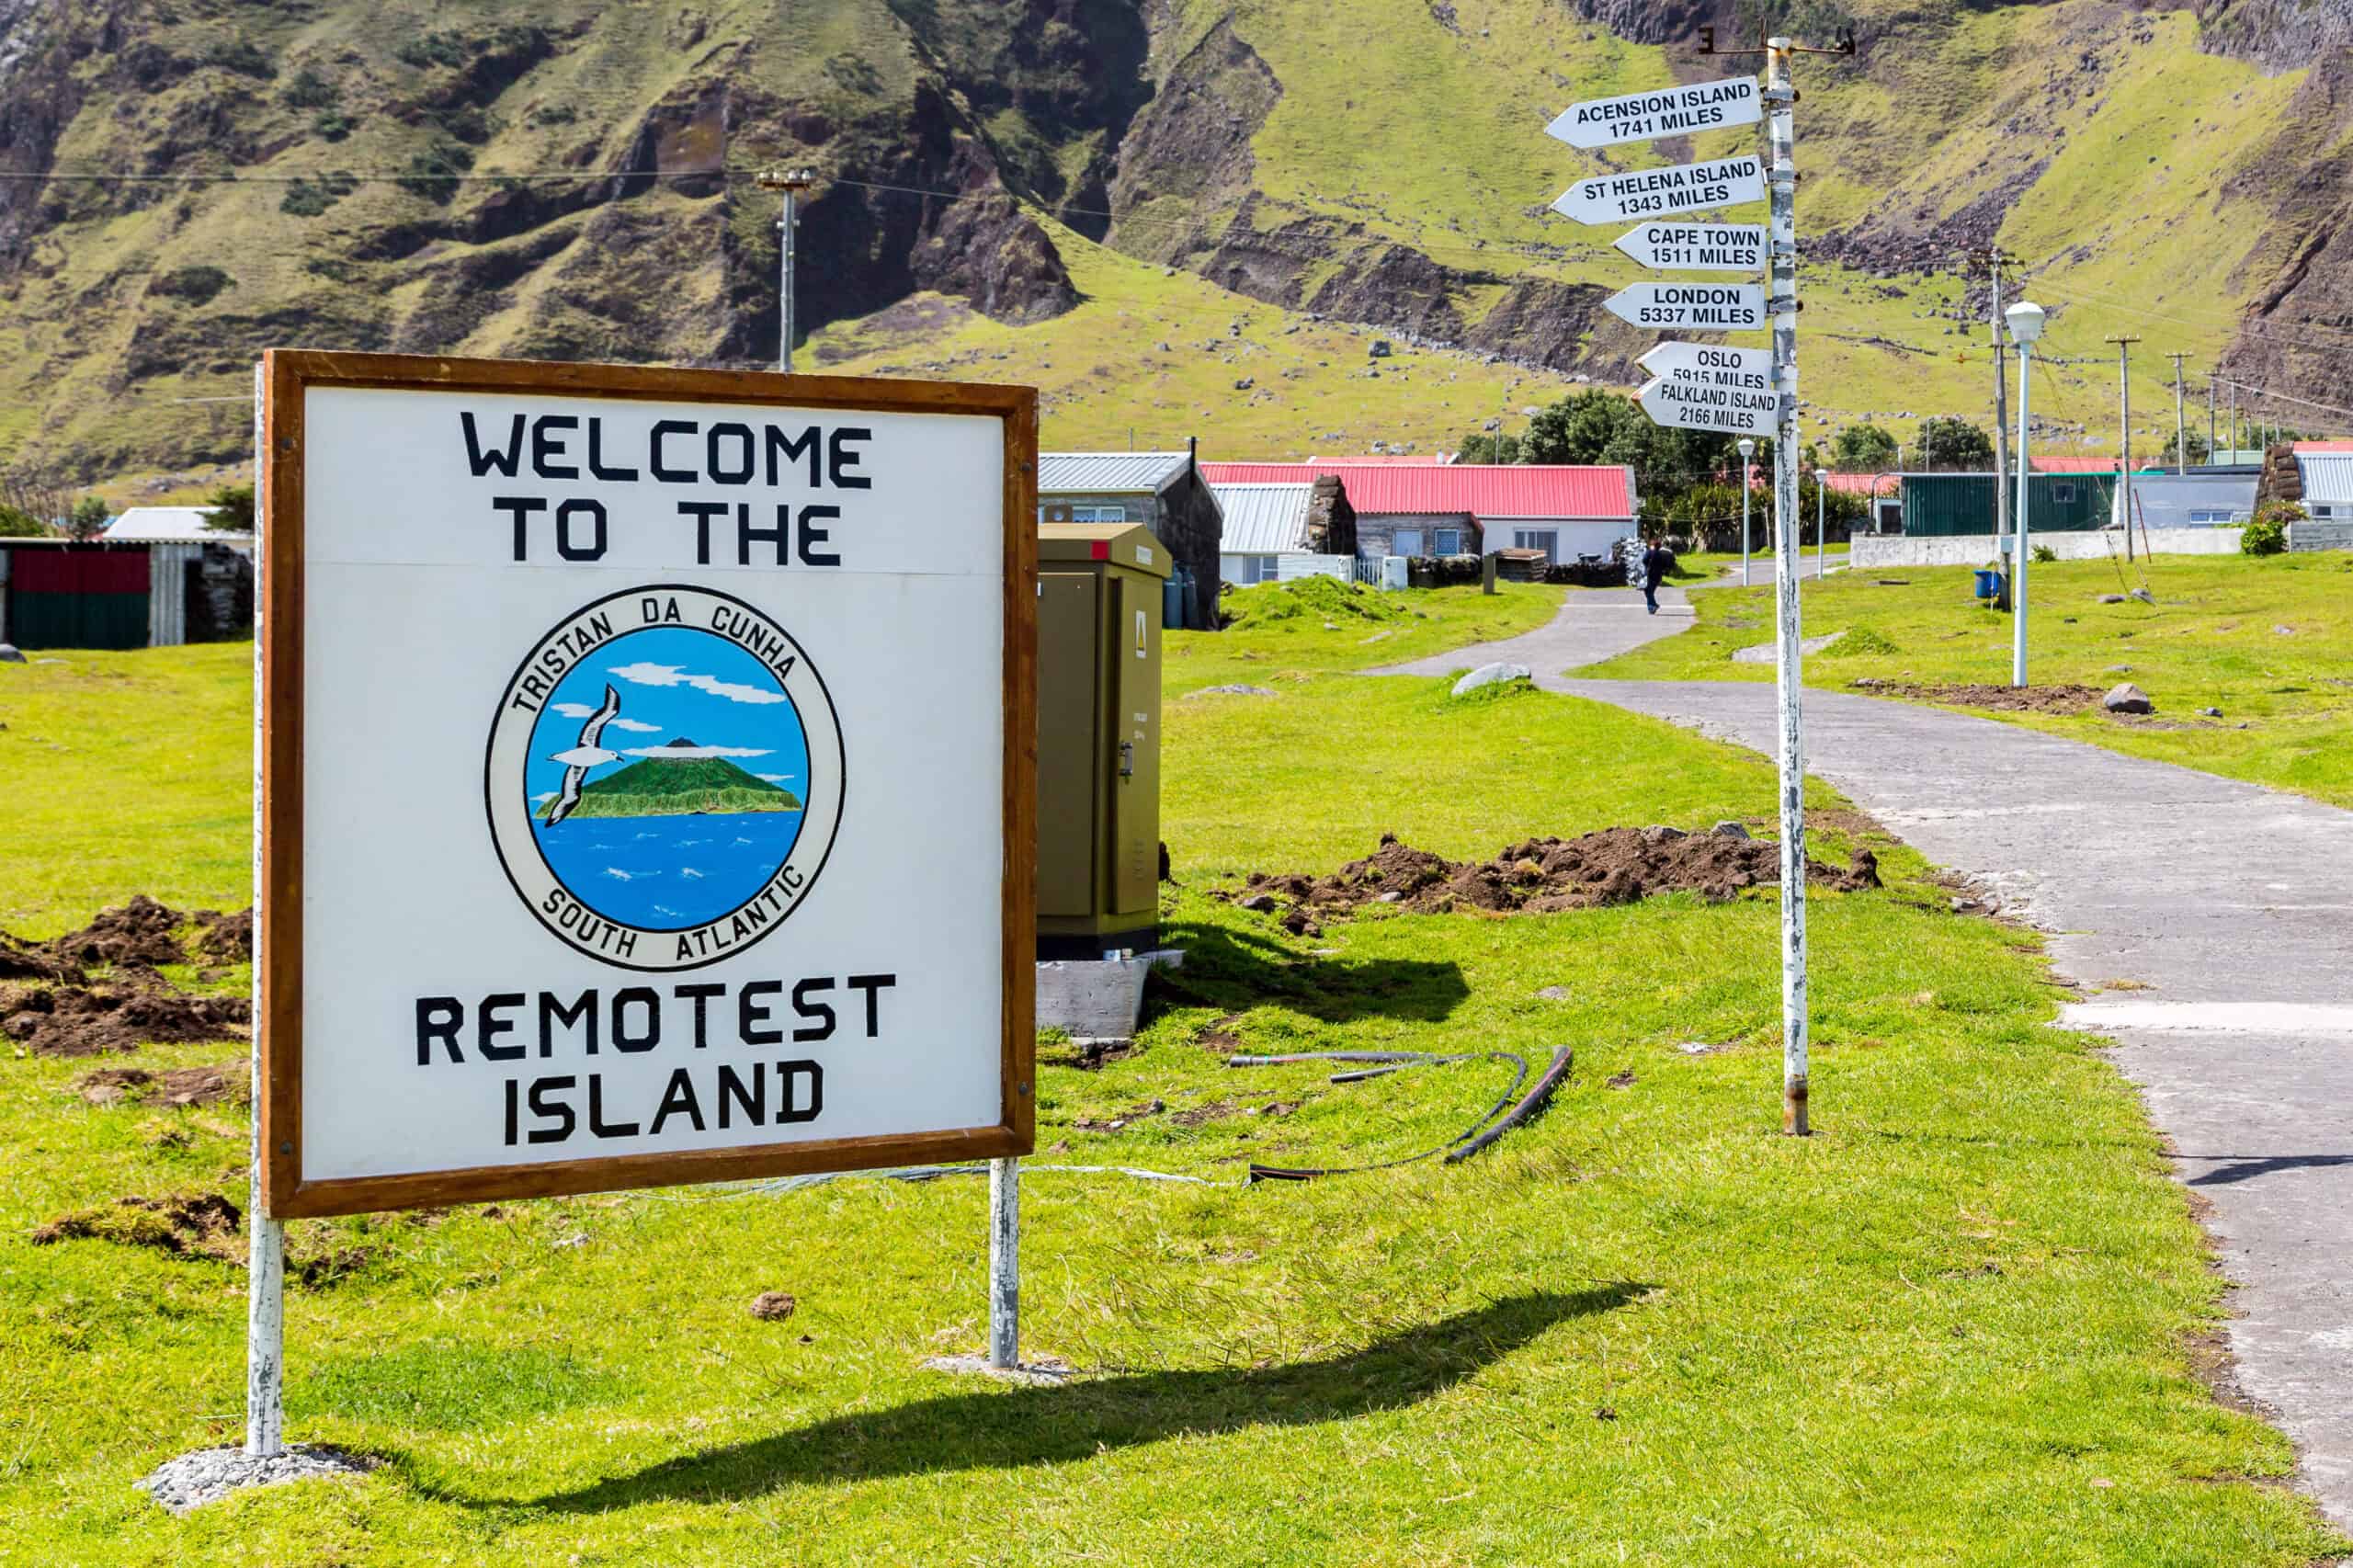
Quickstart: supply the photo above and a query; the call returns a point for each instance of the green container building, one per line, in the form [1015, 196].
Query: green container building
[1937, 505]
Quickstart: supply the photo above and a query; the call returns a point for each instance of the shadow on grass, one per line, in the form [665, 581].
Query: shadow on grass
[1235, 970]
[1009, 1428]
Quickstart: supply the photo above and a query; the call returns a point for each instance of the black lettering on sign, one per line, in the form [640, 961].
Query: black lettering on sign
[597, 454]
[581, 1015]
[520, 507]
[546, 446]
[495, 461]
[566, 544]
[822, 1028]
[677, 1099]
[702, 512]
[643, 996]
[715, 444]
[551, 1109]
[489, 1024]
[438, 1019]
[701, 996]
[791, 1107]
[731, 1094]
[662, 430]
[752, 1013]
[597, 1122]
[873, 985]
[841, 460]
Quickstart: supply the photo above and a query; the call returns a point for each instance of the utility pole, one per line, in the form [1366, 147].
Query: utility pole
[2124, 343]
[2234, 422]
[2026, 319]
[2180, 434]
[2209, 414]
[1995, 259]
[790, 183]
[1781, 293]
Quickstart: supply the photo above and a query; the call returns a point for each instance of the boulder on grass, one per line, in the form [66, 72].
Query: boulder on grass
[2128, 698]
[1489, 675]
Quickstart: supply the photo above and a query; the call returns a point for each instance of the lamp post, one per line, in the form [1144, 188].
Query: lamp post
[1747, 449]
[791, 183]
[1821, 500]
[2026, 325]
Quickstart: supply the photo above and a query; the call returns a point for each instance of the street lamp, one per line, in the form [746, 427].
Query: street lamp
[1821, 499]
[2026, 325]
[1747, 449]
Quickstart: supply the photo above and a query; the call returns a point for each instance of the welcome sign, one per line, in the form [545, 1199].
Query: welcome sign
[645, 792]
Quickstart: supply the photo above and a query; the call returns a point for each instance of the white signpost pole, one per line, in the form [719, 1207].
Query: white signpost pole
[1781, 132]
[1004, 1264]
[266, 1237]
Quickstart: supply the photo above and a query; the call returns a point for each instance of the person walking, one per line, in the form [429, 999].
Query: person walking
[1658, 561]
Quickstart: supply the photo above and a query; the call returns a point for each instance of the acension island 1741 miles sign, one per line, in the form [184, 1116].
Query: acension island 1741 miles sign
[642, 755]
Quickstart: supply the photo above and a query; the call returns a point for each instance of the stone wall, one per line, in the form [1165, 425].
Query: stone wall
[1875, 552]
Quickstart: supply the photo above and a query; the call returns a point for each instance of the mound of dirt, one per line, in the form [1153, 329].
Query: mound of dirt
[141, 932]
[1542, 876]
[73, 1021]
[174, 1086]
[200, 1224]
[2060, 699]
[226, 938]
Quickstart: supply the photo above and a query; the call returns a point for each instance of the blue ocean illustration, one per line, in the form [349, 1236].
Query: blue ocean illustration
[667, 779]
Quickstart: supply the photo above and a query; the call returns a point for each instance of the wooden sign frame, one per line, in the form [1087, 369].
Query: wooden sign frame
[285, 376]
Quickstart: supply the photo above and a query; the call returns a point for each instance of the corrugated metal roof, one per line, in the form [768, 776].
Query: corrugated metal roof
[2328, 476]
[1482, 490]
[1107, 473]
[1263, 519]
[1864, 484]
[162, 525]
[2166, 500]
[2324, 447]
[2072, 465]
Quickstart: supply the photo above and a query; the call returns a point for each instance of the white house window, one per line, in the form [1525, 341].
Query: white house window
[1546, 539]
[2323, 510]
[2208, 517]
[2063, 495]
[1111, 514]
[1258, 569]
[1405, 541]
[1450, 541]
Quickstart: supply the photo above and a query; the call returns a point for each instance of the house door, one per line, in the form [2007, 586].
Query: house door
[1546, 539]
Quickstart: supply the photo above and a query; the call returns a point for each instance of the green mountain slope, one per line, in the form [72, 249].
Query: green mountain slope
[1054, 189]
[674, 786]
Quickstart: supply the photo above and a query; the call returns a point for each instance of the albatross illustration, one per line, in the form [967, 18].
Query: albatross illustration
[584, 757]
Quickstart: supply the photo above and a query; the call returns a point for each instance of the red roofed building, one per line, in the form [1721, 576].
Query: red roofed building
[1429, 509]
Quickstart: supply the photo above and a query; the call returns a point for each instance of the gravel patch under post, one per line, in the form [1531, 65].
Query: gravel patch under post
[209, 1474]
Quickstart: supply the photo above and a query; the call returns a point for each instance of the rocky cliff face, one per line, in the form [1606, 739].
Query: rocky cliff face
[313, 176]
[2278, 35]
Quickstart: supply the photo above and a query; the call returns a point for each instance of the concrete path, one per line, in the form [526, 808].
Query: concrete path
[2232, 904]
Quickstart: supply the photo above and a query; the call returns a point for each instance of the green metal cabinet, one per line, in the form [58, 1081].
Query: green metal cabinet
[1098, 736]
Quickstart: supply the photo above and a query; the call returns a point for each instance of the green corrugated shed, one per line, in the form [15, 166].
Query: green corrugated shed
[1941, 505]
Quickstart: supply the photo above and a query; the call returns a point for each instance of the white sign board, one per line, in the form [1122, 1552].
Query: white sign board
[1654, 193]
[1696, 247]
[1698, 404]
[1668, 360]
[1715, 307]
[1674, 111]
[641, 748]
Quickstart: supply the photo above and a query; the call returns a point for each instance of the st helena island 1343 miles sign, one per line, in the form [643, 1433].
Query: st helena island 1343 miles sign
[642, 799]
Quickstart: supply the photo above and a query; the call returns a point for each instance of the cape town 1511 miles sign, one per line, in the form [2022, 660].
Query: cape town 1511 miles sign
[644, 799]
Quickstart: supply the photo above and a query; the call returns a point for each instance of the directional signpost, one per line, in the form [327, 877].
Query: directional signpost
[1740, 392]
[1713, 307]
[1653, 193]
[1698, 247]
[1678, 111]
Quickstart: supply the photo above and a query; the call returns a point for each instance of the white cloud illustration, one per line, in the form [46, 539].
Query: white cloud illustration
[778, 778]
[676, 752]
[570, 710]
[633, 724]
[648, 674]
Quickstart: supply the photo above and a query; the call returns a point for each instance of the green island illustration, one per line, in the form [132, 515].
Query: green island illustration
[659, 787]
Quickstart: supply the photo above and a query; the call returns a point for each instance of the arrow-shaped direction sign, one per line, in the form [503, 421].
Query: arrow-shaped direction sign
[1655, 193]
[1678, 361]
[1677, 111]
[1698, 247]
[1695, 405]
[1717, 307]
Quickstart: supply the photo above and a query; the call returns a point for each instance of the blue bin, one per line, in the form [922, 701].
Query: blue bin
[1989, 584]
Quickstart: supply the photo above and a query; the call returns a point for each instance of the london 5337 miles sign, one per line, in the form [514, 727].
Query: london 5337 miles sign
[640, 777]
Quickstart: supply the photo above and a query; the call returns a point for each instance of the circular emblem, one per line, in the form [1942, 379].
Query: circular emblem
[664, 777]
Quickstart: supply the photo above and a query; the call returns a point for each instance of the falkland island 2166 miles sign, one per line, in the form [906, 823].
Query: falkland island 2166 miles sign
[644, 797]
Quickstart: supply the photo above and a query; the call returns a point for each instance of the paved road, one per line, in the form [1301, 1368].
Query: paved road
[2233, 903]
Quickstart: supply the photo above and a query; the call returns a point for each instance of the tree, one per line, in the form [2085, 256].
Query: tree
[231, 509]
[1482, 446]
[17, 522]
[87, 517]
[1862, 448]
[1948, 442]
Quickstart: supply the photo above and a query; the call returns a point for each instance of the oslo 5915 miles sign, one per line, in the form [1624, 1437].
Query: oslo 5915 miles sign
[644, 792]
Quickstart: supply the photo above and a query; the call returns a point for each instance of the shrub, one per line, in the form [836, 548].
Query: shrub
[17, 522]
[241, 56]
[87, 517]
[196, 285]
[231, 509]
[311, 90]
[1859, 642]
[431, 174]
[332, 125]
[2044, 554]
[2266, 532]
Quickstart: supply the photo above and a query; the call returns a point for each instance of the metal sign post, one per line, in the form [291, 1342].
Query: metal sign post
[1781, 132]
[265, 1235]
[1737, 391]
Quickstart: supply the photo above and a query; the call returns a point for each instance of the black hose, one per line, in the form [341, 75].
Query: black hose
[1463, 1144]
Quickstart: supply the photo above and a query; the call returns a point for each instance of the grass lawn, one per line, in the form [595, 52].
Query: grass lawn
[1960, 1326]
[2266, 640]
